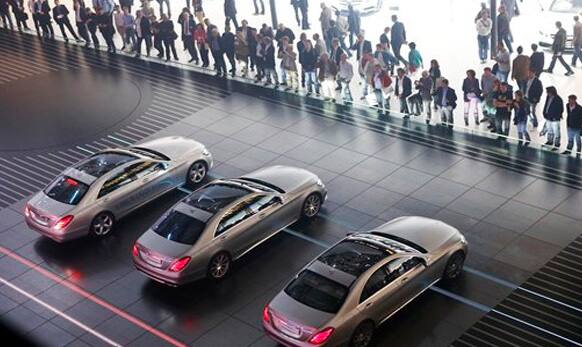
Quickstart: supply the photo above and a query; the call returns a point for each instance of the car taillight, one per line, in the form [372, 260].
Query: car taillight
[179, 264]
[321, 336]
[27, 211]
[135, 250]
[63, 222]
[266, 315]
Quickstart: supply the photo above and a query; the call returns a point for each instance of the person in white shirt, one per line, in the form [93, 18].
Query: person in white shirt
[344, 77]
[484, 25]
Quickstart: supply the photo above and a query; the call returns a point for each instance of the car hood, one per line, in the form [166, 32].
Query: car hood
[428, 233]
[48, 207]
[287, 178]
[292, 310]
[173, 147]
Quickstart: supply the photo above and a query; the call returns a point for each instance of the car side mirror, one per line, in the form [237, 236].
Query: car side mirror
[277, 200]
[162, 166]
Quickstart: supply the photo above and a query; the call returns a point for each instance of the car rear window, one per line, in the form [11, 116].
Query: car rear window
[178, 227]
[318, 292]
[66, 190]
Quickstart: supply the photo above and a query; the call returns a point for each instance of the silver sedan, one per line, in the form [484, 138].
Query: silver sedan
[89, 197]
[343, 295]
[202, 234]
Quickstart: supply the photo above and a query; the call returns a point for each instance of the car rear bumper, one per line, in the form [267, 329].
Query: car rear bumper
[282, 339]
[56, 236]
[162, 276]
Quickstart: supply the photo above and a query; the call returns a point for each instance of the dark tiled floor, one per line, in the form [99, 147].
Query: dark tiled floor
[514, 222]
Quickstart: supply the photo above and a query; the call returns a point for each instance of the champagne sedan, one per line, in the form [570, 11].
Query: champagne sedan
[202, 234]
[89, 197]
[343, 295]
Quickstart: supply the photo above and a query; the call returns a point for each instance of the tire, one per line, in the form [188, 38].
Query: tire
[219, 266]
[196, 173]
[102, 225]
[363, 335]
[311, 206]
[454, 266]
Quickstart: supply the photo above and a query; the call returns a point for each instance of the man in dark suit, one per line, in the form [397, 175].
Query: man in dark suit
[45, 19]
[336, 51]
[361, 47]
[446, 101]
[533, 95]
[398, 38]
[61, 16]
[403, 90]
[553, 110]
[536, 60]
[558, 47]
[217, 50]
[188, 26]
[143, 32]
[353, 23]
[574, 120]
[230, 12]
[228, 47]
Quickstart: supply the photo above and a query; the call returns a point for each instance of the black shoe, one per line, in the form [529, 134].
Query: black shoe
[427, 122]
[191, 60]
[568, 152]
[548, 71]
[555, 149]
[548, 143]
[466, 122]
[569, 73]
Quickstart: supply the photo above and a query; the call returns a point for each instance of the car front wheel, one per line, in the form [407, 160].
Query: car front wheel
[102, 225]
[363, 335]
[454, 266]
[311, 206]
[196, 173]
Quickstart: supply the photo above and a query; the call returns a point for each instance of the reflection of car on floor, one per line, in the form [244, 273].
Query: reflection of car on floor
[202, 234]
[90, 196]
[554, 11]
[342, 296]
[365, 7]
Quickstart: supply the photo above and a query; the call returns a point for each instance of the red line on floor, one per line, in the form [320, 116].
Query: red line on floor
[64, 282]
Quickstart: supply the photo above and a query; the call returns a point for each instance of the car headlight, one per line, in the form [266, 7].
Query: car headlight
[320, 183]
[463, 239]
[205, 152]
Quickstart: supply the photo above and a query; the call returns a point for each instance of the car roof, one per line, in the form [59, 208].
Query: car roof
[352, 256]
[216, 196]
[104, 162]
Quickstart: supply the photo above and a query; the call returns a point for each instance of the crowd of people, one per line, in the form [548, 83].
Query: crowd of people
[323, 63]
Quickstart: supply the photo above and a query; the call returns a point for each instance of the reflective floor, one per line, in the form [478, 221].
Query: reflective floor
[516, 217]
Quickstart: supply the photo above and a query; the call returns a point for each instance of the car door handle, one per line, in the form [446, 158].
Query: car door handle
[404, 279]
[146, 180]
[369, 304]
[262, 215]
[223, 237]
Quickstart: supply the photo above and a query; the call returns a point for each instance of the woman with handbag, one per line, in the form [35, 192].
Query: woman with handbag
[168, 36]
[19, 14]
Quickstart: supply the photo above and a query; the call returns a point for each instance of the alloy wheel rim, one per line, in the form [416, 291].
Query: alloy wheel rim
[362, 338]
[103, 225]
[455, 267]
[312, 205]
[197, 173]
[220, 266]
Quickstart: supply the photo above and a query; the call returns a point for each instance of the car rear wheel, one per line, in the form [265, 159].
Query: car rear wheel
[196, 173]
[102, 225]
[311, 206]
[454, 266]
[219, 266]
[363, 335]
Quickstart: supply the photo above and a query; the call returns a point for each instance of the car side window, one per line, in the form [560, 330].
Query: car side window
[123, 178]
[262, 203]
[411, 263]
[147, 169]
[382, 277]
[236, 214]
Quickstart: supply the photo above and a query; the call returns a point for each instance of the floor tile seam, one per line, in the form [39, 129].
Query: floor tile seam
[290, 149]
[506, 203]
[252, 122]
[553, 244]
[228, 316]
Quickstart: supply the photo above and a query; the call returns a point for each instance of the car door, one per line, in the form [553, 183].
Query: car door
[272, 216]
[117, 193]
[232, 233]
[414, 278]
[380, 296]
[154, 180]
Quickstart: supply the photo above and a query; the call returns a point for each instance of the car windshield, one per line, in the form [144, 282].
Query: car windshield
[101, 163]
[66, 190]
[566, 6]
[317, 292]
[178, 227]
[353, 257]
[214, 197]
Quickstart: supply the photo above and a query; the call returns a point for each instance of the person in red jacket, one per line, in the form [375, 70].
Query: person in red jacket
[380, 80]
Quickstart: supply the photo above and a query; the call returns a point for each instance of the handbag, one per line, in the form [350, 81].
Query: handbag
[173, 35]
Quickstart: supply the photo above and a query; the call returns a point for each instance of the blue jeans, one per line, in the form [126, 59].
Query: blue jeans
[502, 75]
[574, 136]
[522, 130]
[553, 132]
[310, 81]
[505, 39]
[483, 42]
